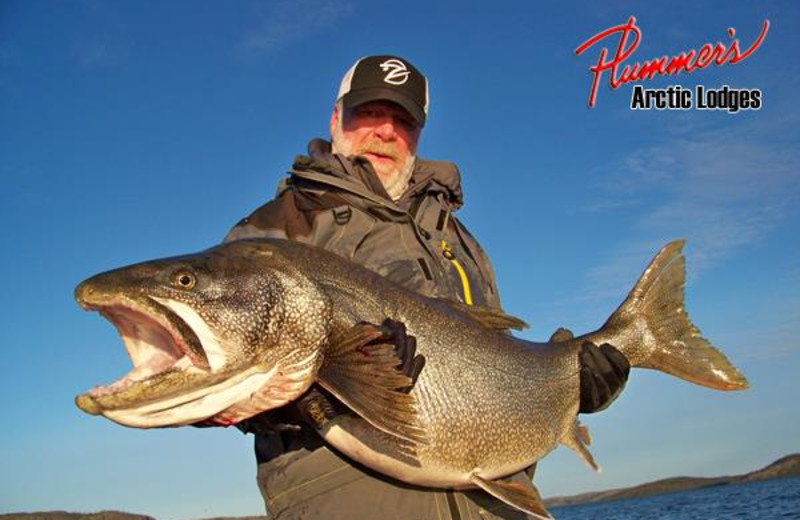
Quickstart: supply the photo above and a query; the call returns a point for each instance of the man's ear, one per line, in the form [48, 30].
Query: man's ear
[334, 118]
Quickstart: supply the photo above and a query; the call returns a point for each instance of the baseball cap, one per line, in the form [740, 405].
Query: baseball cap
[388, 78]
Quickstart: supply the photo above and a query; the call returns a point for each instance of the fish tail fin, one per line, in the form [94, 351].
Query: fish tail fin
[653, 330]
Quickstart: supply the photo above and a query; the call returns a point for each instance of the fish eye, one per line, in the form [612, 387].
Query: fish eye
[184, 280]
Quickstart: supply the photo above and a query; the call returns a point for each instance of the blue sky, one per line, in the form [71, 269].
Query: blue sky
[133, 130]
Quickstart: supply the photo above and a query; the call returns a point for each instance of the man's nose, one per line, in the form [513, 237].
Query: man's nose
[386, 129]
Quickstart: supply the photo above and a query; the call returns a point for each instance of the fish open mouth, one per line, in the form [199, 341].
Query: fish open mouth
[152, 345]
[157, 341]
[172, 382]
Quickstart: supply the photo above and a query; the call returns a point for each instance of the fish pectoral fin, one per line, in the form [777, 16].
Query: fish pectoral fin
[491, 318]
[364, 374]
[516, 495]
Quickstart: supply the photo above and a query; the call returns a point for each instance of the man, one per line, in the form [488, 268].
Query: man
[367, 197]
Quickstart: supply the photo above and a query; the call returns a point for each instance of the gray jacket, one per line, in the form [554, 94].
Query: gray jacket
[340, 205]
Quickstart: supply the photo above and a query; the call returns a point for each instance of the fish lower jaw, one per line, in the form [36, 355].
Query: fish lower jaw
[192, 407]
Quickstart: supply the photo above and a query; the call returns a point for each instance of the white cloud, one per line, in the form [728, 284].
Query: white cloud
[288, 22]
[724, 188]
[93, 54]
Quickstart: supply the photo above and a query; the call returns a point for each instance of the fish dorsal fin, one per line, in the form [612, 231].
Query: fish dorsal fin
[561, 334]
[578, 439]
[363, 374]
[515, 495]
[491, 318]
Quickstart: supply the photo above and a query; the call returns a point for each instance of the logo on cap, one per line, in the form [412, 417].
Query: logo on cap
[397, 72]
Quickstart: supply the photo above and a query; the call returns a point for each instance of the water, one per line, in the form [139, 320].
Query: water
[777, 499]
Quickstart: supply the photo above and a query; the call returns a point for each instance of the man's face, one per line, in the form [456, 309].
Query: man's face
[381, 131]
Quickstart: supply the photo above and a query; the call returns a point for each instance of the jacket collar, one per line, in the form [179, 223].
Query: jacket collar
[428, 176]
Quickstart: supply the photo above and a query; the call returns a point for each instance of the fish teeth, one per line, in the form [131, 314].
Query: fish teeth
[117, 386]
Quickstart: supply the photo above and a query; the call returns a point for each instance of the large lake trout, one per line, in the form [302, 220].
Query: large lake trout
[227, 333]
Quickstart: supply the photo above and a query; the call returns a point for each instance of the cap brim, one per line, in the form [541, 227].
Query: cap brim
[365, 95]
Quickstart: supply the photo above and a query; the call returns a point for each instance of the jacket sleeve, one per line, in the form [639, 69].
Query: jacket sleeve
[278, 218]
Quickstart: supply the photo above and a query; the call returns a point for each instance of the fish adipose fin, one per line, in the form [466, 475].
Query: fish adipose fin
[578, 439]
[488, 317]
[362, 372]
[515, 495]
[663, 337]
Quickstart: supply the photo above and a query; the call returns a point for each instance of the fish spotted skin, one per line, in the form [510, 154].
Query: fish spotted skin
[489, 404]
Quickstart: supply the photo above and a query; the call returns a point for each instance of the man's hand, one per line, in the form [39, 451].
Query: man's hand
[604, 372]
[406, 348]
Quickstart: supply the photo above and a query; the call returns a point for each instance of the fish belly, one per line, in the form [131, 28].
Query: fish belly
[483, 416]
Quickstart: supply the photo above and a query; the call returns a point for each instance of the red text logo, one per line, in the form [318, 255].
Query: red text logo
[688, 61]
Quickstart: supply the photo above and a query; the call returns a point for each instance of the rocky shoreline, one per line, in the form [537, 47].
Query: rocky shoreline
[787, 466]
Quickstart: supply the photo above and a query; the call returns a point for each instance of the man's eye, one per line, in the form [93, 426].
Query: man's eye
[368, 112]
[408, 124]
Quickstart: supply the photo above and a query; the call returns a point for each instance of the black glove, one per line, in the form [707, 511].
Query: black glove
[604, 371]
[285, 418]
[406, 348]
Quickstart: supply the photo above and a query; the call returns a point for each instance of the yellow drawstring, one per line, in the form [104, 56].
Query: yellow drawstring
[448, 253]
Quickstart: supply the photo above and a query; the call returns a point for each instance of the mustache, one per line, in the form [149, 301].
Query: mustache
[377, 147]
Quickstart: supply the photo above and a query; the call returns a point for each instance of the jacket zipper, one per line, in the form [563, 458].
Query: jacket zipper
[450, 255]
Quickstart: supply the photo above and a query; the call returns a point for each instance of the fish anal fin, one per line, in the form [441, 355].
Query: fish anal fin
[488, 317]
[583, 434]
[578, 439]
[516, 495]
[363, 373]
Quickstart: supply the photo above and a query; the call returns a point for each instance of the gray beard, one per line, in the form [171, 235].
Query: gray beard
[396, 185]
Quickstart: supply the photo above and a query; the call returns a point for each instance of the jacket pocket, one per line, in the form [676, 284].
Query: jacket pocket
[341, 230]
